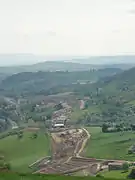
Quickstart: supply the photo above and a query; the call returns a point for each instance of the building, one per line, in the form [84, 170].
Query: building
[115, 166]
[58, 125]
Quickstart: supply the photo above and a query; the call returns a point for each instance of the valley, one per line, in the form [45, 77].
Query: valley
[68, 123]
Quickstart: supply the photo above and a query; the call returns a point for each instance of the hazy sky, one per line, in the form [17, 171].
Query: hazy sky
[67, 27]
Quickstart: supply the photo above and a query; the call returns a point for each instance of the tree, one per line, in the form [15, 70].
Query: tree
[33, 108]
[132, 174]
[86, 105]
[118, 127]
[49, 116]
[133, 127]
[20, 135]
[97, 91]
[125, 167]
[7, 166]
[58, 106]
[104, 127]
[34, 136]
[104, 101]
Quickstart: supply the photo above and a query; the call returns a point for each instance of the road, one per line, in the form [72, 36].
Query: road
[84, 142]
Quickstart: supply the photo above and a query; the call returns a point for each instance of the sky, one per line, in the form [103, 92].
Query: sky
[67, 27]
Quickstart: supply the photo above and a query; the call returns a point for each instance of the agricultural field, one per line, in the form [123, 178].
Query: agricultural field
[115, 174]
[20, 153]
[9, 176]
[109, 145]
[78, 114]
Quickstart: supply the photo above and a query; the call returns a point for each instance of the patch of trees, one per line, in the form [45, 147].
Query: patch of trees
[125, 167]
[132, 174]
[11, 133]
[108, 128]
[20, 134]
[4, 165]
[34, 136]
[133, 127]
[105, 128]
[58, 107]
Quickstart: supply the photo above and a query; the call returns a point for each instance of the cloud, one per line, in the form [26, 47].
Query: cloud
[116, 31]
[51, 33]
[131, 11]
[57, 27]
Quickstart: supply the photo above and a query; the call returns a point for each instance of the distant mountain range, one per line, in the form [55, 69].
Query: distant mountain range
[35, 77]
[63, 64]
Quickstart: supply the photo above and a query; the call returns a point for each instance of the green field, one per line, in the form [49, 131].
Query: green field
[77, 113]
[9, 176]
[21, 153]
[109, 145]
[115, 174]
[131, 102]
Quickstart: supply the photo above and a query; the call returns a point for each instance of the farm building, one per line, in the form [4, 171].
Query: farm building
[115, 166]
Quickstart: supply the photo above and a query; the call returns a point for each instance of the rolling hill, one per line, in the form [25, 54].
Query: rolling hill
[111, 100]
[43, 63]
[123, 82]
[121, 86]
[35, 82]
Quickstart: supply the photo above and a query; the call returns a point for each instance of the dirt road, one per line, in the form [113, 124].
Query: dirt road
[83, 143]
[67, 147]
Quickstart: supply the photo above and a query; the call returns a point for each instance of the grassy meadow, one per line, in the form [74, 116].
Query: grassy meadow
[115, 174]
[9, 176]
[22, 152]
[109, 145]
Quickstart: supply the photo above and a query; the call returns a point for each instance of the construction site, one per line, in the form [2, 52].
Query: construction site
[67, 146]
[66, 150]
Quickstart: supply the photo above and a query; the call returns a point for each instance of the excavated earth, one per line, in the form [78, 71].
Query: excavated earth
[67, 147]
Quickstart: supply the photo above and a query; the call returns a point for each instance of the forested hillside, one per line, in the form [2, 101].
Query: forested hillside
[28, 82]
[111, 99]
[122, 84]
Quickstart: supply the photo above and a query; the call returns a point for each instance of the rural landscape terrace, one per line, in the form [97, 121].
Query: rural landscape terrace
[77, 122]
